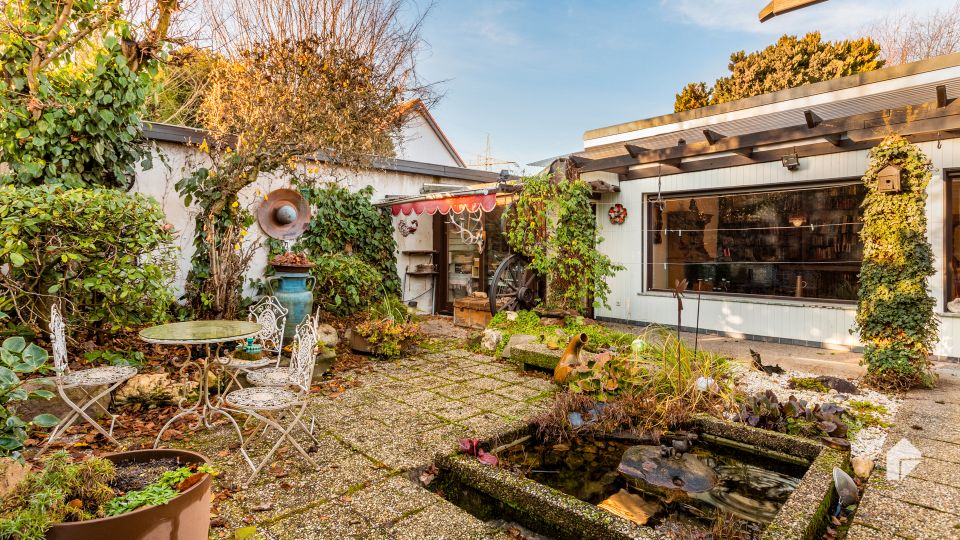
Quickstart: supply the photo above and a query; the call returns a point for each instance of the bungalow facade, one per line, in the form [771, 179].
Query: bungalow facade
[424, 161]
[757, 202]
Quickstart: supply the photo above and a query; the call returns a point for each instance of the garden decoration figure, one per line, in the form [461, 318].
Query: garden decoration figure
[271, 405]
[271, 316]
[570, 361]
[110, 377]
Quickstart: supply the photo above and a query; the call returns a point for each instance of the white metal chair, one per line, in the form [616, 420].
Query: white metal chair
[267, 404]
[65, 379]
[271, 316]
[283, 376]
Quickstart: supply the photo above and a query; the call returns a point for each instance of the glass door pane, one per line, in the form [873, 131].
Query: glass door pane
[463, 264]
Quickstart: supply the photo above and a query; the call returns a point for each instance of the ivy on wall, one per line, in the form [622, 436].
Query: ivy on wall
[895, 315]
[347, 222]
[552, 223]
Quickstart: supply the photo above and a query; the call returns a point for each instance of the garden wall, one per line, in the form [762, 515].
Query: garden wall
[172, 161]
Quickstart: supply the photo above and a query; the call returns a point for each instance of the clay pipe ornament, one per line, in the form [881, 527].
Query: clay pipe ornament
[570, 361]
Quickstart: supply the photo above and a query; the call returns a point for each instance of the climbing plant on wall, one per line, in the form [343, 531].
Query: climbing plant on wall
[552, 222]
[347, 222]
[895, 315]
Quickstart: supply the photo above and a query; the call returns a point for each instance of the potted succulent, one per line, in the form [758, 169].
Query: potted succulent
[137, 495]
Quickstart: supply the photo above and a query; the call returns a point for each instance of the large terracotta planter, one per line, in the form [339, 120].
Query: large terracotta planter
[186, 517]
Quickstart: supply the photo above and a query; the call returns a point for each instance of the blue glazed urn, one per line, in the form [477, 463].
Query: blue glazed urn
[294, 291]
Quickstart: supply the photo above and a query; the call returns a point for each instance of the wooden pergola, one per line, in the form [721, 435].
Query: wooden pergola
[937, 119]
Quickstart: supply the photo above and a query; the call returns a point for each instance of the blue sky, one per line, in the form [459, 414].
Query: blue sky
[536, 74]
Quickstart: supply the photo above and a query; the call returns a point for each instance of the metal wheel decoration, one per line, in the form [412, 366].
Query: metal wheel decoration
[515, 286]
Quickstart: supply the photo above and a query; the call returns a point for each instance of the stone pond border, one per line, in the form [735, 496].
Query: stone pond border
[804, 516]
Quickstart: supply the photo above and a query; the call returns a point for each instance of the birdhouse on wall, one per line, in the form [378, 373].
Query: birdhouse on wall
[888, 179]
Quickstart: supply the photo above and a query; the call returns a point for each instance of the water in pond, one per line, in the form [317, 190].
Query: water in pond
[745, 490]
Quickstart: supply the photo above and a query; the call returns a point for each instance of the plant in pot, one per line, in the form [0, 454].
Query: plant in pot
[388, 330]
[293, 286]
[137, 495]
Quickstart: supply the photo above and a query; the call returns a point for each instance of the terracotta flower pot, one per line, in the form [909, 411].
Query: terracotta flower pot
[359, 343]
[186, 517]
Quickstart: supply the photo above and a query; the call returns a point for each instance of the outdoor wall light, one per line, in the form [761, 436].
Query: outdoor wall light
[791, 161]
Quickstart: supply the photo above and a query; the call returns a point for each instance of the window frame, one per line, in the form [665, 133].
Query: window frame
[649, 224]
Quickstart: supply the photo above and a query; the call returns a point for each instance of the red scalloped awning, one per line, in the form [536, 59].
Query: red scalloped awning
[468, 203]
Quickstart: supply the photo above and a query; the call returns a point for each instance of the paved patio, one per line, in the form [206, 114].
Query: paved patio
[401, 416]
[926, 503]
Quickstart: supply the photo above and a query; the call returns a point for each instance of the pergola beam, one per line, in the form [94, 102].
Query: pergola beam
[816, 149]
[779, 7]
[712, 136]
[834, 129]
[634, 150]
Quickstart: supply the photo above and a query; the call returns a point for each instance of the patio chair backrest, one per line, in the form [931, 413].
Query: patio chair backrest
[271, 316]
[303, 357]
[58, 341]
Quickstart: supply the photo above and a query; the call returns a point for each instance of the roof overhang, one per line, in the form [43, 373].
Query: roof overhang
[157, 131]
[919, 103]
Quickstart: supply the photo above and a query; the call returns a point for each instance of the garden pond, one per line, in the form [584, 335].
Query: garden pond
[707, 489]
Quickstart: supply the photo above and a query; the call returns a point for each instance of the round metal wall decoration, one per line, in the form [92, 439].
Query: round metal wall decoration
[617, 214]
[407, 229]
[284, 215]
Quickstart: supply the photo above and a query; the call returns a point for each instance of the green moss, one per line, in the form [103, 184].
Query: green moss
[808, 383]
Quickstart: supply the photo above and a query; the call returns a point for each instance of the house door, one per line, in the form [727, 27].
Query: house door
[465, 268]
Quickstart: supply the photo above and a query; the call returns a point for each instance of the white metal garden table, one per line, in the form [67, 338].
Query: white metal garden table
[206, 333]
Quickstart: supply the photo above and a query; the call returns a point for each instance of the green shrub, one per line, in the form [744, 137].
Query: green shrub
[107, 254]
[345, 284]
[552, 222]
[80, 123]
[41, 500]
[347, 222]
[895, 315]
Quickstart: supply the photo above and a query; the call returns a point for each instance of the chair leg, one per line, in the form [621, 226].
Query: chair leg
[284, 435]
[79, 411]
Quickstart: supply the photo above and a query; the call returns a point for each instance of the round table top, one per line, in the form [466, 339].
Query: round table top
[198, 332]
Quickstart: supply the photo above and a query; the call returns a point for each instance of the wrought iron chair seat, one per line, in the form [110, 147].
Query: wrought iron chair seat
[266, 398]
[275, 376]
[97, 376]
[271, 316]
[241, 364]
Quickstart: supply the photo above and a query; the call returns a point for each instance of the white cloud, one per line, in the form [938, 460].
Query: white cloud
[492, 22]
[834, 18]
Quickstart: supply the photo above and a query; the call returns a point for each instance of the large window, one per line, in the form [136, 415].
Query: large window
[800, 243]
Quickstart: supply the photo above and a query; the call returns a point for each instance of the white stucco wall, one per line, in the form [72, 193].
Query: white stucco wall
[805, 320]
[419, 142]
[178, 160]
